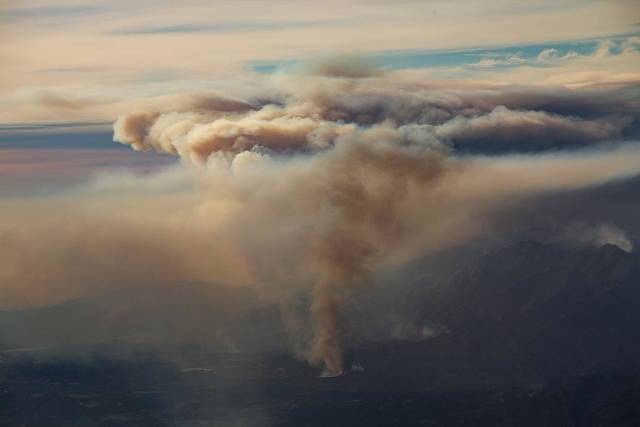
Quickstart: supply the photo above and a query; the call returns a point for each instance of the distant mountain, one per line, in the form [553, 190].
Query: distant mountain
[229, 318]
[525, 311]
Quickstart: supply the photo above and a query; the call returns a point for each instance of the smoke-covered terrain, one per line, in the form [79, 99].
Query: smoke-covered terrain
[528, 333]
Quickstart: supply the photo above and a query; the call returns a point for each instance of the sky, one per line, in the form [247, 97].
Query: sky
[72, 67]
[79, 60]
[300, 146]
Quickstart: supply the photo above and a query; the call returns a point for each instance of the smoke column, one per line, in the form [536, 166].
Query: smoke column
[311, 184]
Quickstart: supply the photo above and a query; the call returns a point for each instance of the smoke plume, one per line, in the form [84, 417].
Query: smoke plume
[312, 184]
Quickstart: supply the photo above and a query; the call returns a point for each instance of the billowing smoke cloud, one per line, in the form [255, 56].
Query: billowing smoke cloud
[364, 156]
[312, 113]
[313, 185]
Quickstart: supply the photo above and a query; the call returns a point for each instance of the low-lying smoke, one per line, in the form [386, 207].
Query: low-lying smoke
[597, 235]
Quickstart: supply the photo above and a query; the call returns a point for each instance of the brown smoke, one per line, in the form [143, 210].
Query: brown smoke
[313, 187]
[363, 189]
[341, 210]
[351, 170]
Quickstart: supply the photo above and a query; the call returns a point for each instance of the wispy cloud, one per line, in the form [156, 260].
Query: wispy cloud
[119, 48]
[84, 69]
[52, 12]
[511, 60]
[504, 57]
[227, 27]
[596, 49]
